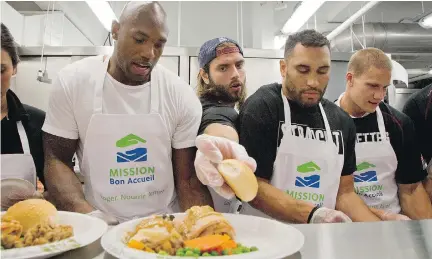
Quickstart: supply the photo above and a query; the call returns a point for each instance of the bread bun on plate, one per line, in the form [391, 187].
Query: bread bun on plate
[240, 178]
[32, 212]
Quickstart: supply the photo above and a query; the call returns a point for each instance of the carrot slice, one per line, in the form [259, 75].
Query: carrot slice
[136, 244]
[229, 244]
[207, 242]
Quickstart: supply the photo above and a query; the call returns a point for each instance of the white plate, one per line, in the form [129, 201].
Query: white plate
[274, 240]
[86, 229]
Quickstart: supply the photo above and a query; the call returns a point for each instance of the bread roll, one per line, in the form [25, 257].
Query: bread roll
[31, 212]
[240, 178]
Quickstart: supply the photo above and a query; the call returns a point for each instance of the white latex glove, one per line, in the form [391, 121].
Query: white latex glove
[389, 216]
[325, 215]
[110, 220]
[213, 150]
[16, 190]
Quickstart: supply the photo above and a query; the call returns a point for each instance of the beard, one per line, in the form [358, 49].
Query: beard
[295, 94]
[220, 93]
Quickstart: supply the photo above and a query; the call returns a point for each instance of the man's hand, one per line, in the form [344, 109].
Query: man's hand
[325, 215]
[211, 151]
[388, 216]
[16, 190]
[351, 204]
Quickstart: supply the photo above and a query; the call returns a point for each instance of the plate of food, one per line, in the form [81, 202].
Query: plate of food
[34, 228]
[202, 232]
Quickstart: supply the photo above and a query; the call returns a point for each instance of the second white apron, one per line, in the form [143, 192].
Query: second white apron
[306, 169]
[127, 159]
[19, 166]
[374, 179]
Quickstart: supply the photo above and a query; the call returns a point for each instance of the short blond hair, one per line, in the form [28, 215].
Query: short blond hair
[361, 60]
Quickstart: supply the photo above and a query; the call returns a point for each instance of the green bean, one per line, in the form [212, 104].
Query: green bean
[225, 252]
[246, 249]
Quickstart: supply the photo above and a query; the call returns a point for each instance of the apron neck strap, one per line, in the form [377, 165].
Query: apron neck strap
[23, 138]
[100, 80]
[287, 111]
[287, 124]
[326, 124]
[381, 125]
[154, 90]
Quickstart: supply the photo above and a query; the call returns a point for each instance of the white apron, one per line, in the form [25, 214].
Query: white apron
[374, 180]
[20, 166]
[306, 169]
[127, 159]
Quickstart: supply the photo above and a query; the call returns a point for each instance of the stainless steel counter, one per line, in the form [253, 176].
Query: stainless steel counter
[382, 240]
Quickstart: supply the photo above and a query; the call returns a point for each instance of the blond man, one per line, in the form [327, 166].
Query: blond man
[389, 171]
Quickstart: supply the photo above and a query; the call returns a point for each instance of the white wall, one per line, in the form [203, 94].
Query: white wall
[59, 31]
[29, 90]
[81, 16]
[13, 20]
[264, 29]
[35, 93]
[202, 21]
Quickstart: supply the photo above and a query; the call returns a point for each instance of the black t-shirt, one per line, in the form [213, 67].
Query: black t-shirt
[214, 112]
[262, 116]
[419, 108]
[32, 120]
[400, 130]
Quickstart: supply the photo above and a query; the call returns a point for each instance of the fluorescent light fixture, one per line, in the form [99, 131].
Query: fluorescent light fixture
[301, 15]
[430, 71]
[426, 22]
[103, 12]
[351, 19]
[279, 41]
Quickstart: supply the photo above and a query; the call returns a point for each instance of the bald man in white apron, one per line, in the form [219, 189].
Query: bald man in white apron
[132, 124]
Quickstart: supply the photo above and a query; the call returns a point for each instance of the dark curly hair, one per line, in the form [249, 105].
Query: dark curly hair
[307, 38]
[8, 45]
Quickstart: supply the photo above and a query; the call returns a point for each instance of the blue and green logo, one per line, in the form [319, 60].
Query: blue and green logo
[366, 181]
[368, 176]
[313, 180]
[128, 171]
[138, 154]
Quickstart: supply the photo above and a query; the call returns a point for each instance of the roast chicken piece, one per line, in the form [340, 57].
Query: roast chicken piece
[203, 221]
[158, 234]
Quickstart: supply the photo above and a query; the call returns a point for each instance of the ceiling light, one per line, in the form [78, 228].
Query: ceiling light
[426, 22]
[279, 41]
[351, 19]
[301, 15]
[103, 12]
